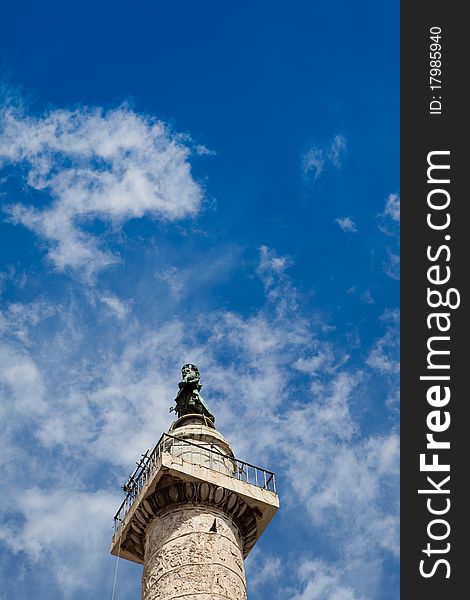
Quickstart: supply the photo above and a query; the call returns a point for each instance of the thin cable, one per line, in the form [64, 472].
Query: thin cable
[116, 570]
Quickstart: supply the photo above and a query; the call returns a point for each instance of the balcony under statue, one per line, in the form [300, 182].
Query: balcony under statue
[192, 511]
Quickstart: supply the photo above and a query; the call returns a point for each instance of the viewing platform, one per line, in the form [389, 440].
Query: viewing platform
[193, 464]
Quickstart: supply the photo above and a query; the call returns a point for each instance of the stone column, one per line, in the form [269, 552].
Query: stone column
[193, 547]
[192, 515]
[193, 552]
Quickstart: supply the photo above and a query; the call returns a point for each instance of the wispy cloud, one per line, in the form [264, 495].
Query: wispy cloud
[175, 280]
[342, 483]
[262, 568]
[314, 162]
[346, 224]
[389, 225]
[336, 150]
[321, 581]
[392, 207]
[389, 218]
[384, 355]
[21, 383]
[391, 266]
[90, 164]
[54, 526]
[367, 298]
[119, 308]
[317, 158]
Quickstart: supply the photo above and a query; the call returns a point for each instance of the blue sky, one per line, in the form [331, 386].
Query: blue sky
[212, 183]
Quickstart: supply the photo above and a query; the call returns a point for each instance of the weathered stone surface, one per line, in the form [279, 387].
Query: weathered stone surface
[181, 476]
[193, 520]
[193, 551]
[235, 508]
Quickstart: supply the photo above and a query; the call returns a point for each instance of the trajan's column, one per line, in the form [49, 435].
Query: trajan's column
[192, 511]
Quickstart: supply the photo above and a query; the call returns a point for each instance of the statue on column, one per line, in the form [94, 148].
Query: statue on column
[189, 400]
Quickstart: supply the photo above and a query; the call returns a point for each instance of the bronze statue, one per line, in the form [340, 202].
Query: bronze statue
[189, 400]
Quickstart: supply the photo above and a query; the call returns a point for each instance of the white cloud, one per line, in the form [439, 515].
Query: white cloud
[314, 365]
[111, 165]
[118, 307]
[367, 298]
[278, 288]
[126, 394]
[336, 150]
[392, 207]
[175, 280]
[55, 524]
[262, 569]
[21, 319]
[391, 266]
[21, 383]
[269, 262]
[203, 269]
[317, 158]
[389, 219]
[314, 161]
[384, 355]
[268, 370]
[323, 582]
[346, 224]
[389, 225]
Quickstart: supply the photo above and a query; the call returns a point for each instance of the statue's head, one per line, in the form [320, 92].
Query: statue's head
[189, 368]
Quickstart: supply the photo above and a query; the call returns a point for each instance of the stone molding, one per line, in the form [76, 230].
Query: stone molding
[192, 493]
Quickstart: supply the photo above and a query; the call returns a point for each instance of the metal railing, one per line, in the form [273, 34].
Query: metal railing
[205, 455]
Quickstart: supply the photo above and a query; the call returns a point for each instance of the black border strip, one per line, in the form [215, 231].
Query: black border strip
[424, 130]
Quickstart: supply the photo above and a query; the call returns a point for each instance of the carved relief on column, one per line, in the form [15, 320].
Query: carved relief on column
[214, 497]
[193, 551]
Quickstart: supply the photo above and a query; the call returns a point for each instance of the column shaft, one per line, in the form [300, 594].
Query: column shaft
[193, 552]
